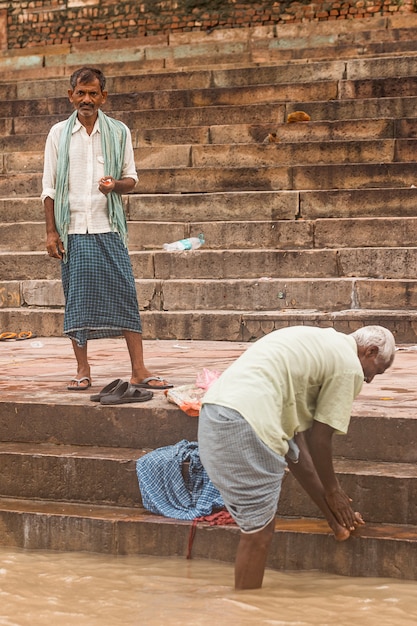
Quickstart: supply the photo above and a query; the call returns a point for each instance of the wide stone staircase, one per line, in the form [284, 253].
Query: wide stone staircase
[305, 223]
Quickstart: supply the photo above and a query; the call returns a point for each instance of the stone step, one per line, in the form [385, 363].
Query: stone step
[376, 550]
[269, 54]
[298, 177]
[55, 422]
[258, 294]
[107, 476]
[265, 91]
[221, 325]
[245, 155]
[188, 98]
[260, 114]
[176, 180]
[213, 265]
[208, 207]
[232, 48]
[85, 474]
[378, 232]
[344, 130]
[270, 205]
[56, 419]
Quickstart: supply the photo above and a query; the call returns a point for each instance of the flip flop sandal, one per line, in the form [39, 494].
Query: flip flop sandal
[126, 393]
[7, 336]
[110, 388]
[145, 383]
[78, 382]
[25, 334]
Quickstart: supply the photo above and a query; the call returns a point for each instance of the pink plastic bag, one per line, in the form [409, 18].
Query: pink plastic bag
[206, 378]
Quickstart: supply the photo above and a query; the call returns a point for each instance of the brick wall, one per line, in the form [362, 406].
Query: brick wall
[34, 22]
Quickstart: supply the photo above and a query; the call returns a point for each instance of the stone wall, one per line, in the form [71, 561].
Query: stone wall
[38, 22]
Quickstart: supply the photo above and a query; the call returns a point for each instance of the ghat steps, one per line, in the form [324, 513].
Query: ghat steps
[318, 228]
[331, 240]
[67, 466]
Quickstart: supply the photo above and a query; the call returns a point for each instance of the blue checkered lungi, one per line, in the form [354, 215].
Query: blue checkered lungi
[99, 288]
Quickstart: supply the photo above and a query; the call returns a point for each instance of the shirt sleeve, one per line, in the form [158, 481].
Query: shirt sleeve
[50, 162]
[335, 400]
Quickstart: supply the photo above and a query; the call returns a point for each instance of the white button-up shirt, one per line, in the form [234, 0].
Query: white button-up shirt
[88, 206]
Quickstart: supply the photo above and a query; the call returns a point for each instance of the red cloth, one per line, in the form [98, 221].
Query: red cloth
[221, 518]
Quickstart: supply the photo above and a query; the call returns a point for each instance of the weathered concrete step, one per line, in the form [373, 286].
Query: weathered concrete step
[245, 155]
[258, 294]
[264, 91]
[107, 476]
[163, 118]
[179, 99]
[241, 325]
[227, 206]
[344, 130]
[250, 325]
[231, 179]
[218, 265]
[261, 294]
[250, 114]
[382, 492]
[270, 205]
[122, 431]
[374, 108]
[298, 544]
[188, 98]
[246, 72]
[70, 474]
[385, 49]
[297, 177]
[280, 234]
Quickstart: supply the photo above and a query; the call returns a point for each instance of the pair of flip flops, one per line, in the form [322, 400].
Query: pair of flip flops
[121, 392]
[25, 334]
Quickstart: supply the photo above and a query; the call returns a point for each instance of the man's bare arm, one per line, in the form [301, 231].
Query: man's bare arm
[319, 439]
[54, 245]
[306, 474]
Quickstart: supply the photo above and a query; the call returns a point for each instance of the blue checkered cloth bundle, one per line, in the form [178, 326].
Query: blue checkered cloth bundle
[99, 288]
[164, 489]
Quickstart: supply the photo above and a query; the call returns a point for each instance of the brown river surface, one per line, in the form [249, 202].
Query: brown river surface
[80, 589]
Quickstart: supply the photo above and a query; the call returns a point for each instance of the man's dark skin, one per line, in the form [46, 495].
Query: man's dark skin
[314, 471]
[87, 98]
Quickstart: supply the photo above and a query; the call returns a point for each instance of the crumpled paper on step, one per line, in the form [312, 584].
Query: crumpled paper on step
[189, 397]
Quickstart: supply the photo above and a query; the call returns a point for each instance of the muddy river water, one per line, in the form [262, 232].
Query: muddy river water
[79, 589]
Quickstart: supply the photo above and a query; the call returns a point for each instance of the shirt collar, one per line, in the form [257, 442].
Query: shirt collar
[78, 126]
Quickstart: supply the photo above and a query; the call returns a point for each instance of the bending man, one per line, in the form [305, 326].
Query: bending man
[279, 404]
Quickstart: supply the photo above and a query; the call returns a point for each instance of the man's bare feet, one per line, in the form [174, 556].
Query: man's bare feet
[79, 384]
[151, 382]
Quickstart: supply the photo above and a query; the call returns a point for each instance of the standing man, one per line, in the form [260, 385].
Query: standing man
[279, 404]
[89, 164]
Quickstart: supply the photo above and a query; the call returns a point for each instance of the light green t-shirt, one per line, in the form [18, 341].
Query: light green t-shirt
[289, 378]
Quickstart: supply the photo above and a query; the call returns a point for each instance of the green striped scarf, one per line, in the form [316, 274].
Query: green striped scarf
[113, 142]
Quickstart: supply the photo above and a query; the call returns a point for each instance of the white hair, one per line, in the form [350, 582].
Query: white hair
[377, 336]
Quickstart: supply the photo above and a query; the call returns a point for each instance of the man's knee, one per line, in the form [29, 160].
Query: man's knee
[260, 539]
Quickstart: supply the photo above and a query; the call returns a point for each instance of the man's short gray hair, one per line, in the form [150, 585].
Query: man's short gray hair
[377, 336]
